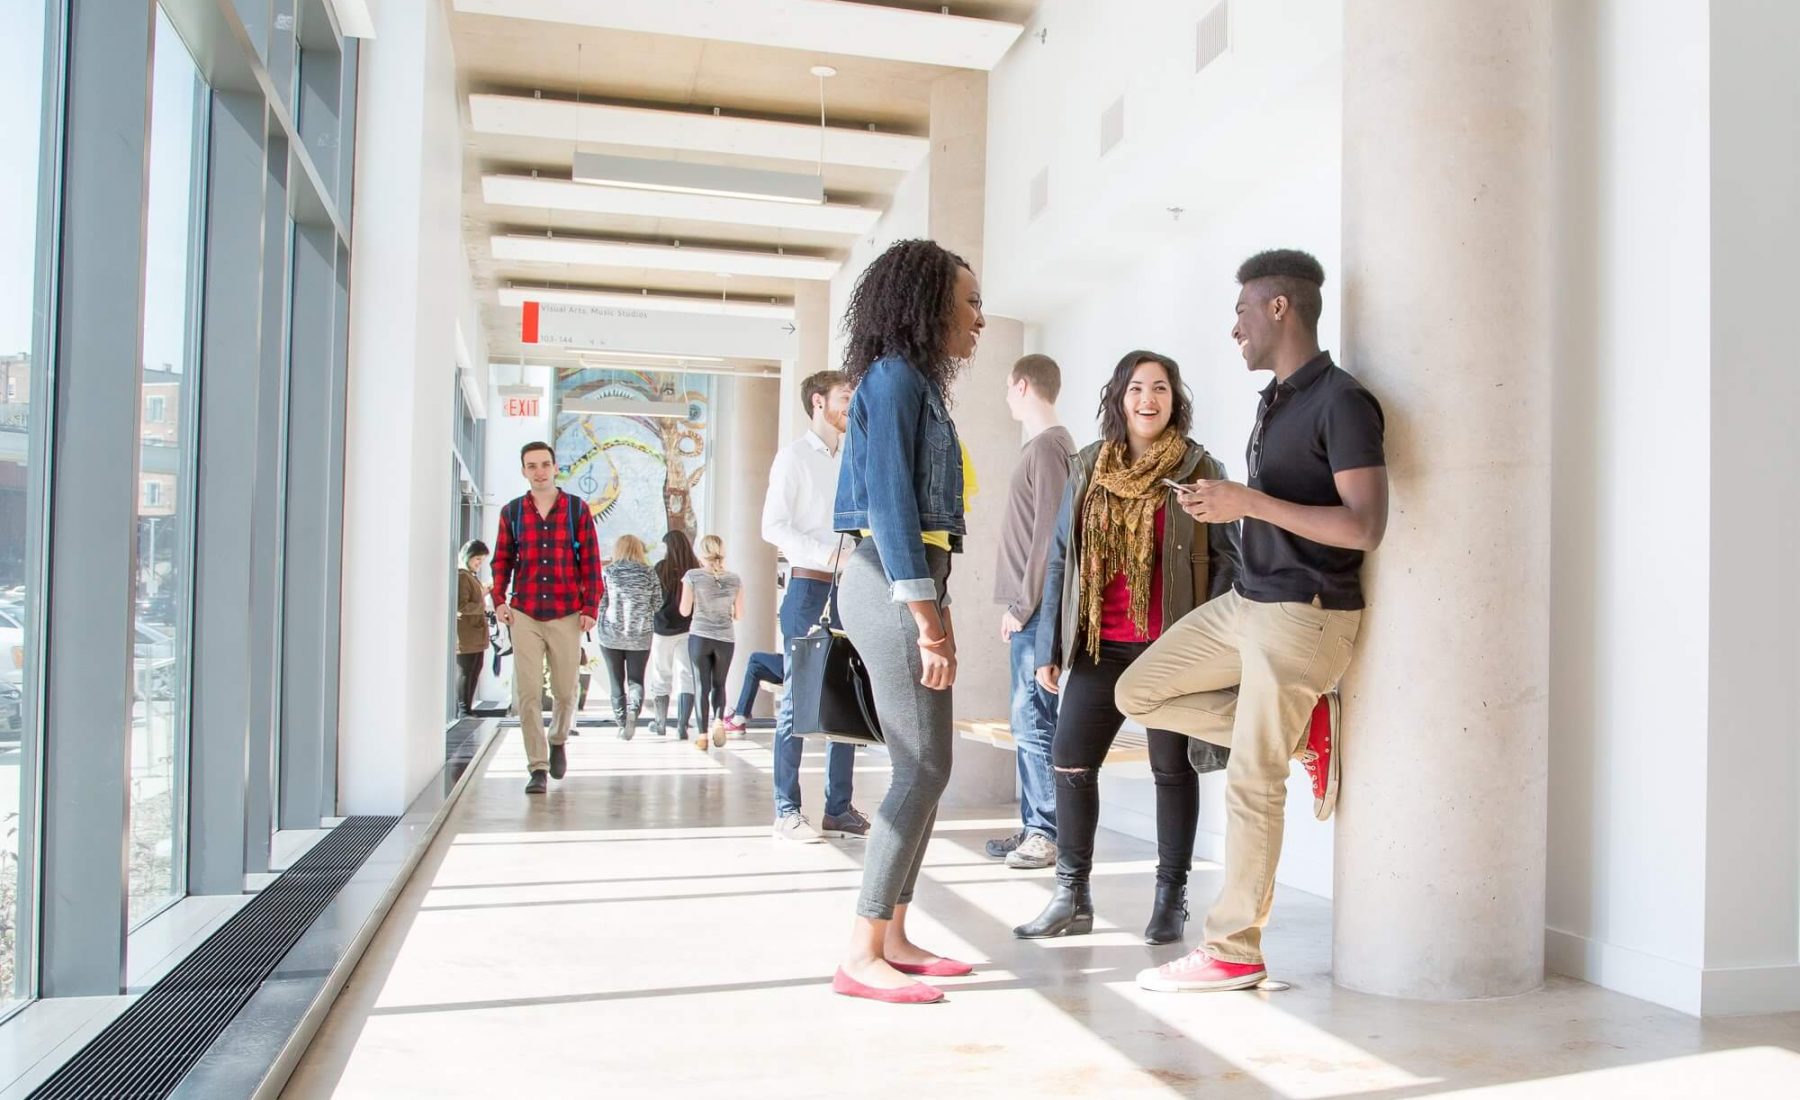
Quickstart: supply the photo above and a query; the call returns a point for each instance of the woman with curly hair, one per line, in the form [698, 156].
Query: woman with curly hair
[1125, 563]
[913, 322]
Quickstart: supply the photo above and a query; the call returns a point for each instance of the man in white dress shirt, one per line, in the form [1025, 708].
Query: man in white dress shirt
[797, 519]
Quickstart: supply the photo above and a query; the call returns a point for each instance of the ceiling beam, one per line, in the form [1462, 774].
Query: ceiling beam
[558, 194]
[516, 295]
[692, 132]
[820, 26]
[600, 252]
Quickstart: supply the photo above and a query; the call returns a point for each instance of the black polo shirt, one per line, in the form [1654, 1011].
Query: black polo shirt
[1318, 422]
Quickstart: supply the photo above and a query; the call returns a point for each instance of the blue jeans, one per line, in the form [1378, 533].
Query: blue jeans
[763, 668]
[1033, 730]
[800, 611]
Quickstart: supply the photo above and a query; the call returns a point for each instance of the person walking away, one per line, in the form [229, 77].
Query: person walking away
[1026, 531]
[471, 622]
[714, 596]
[797, 521]
[670, 670]
[761, 668]
[1256, 669]
[547, 592]
[632, 596]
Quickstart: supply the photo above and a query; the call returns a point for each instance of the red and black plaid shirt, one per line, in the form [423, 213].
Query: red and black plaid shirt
[541, 567]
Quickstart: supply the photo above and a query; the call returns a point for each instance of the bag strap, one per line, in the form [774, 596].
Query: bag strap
[837, 572]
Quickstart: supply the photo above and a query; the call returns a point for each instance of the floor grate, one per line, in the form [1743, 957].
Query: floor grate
[150, 1048]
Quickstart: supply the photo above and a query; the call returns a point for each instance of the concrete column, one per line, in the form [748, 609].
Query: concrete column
[746, 447]
[812, 320]
[1447, 209]
[984, 776]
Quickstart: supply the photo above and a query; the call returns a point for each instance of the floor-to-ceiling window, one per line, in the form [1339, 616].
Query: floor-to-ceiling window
[28, 53]
[165, 515]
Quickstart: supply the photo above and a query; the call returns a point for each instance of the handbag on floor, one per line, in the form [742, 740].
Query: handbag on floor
[828, 684]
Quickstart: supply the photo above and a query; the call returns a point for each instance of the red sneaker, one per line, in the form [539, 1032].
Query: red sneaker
[1199, 972]
[736, 724]
[1320, 755]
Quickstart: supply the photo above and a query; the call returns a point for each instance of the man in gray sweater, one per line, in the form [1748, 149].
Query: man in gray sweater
[1032, 500]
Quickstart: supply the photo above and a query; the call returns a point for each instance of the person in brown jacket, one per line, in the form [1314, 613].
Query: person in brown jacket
[471, 620]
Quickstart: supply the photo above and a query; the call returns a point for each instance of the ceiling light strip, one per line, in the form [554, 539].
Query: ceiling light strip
[622, 254]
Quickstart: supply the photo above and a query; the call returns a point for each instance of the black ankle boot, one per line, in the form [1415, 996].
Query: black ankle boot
[1168, 917]
[1070, 913]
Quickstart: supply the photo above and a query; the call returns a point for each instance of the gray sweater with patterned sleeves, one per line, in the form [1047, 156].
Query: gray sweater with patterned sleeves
[628, 607]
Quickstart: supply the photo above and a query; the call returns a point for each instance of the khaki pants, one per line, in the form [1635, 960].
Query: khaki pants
[558, 644]
[1244, 675]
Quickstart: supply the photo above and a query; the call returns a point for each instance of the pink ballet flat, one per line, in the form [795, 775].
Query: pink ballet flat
[943, 968]
[917, 993]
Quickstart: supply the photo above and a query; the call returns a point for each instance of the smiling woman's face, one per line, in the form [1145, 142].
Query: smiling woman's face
[1148, 403]
[966, 320]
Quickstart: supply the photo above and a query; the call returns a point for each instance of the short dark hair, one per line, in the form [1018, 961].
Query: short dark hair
[536, 445]
[820, 384]
[1041, 373]
[474, 548]
[1297, 275]
[1112, 395]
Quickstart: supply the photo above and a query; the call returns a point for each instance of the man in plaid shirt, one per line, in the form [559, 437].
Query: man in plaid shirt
[553, 568]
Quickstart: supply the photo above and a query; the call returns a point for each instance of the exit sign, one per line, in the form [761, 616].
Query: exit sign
[520, 406]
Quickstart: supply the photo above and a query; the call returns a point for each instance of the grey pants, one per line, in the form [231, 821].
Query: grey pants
[915, 722]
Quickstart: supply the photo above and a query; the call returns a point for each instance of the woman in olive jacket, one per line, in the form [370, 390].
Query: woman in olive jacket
[1126, 562]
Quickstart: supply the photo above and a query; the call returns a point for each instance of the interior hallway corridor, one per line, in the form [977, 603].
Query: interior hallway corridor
[637, 932]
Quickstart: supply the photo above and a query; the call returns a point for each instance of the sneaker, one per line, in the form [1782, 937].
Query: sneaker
[796, 828]
[851, 823]
[1199, 972]
[1000, 849]
[540, 783]
[1319, 754]
[735, 724]
[1036, 851]
[559, 762]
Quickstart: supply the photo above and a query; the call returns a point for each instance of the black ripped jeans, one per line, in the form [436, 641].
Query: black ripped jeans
[1086, 723]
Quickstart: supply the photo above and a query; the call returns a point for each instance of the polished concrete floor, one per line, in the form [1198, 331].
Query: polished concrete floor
[638, 933]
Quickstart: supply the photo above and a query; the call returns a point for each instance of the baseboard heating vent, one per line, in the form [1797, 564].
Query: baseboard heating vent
[146, 1052]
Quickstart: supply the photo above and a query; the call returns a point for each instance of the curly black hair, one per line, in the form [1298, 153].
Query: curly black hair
[902, 306]
[1295, 274]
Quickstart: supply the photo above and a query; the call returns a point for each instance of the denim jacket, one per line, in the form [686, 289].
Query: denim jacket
[1196, 565]
[901, 473]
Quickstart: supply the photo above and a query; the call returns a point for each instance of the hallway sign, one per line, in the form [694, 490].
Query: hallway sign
[626, 329]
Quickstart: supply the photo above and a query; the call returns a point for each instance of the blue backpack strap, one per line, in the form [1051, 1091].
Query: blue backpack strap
[577, 508]
[509, 515]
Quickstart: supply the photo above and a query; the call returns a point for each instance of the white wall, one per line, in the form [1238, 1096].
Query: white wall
[408, 284]
[1752, 949]
[1629, 682]
[1250, 149]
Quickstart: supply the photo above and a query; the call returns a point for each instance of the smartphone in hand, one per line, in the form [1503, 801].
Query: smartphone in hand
[1178, 486]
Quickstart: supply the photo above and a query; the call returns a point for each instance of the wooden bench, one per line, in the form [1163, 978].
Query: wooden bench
[1129, 746]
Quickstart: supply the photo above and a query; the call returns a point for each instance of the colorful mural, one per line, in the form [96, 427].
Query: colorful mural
[640, 475]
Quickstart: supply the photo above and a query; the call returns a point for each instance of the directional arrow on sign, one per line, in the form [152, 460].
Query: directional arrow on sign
[789, 329]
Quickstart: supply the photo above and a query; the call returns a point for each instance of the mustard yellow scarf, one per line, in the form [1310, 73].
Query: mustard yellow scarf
[1118, 528]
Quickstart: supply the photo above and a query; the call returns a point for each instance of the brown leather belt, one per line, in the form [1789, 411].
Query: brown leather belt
[809, 574]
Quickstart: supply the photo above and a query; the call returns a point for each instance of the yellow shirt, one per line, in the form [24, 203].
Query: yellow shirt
[941, 539]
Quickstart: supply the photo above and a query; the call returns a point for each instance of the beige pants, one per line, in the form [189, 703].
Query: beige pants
[535, 644]
[1244, 675]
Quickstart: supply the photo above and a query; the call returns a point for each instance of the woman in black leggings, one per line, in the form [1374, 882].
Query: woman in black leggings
[1125, 563]
[714, 596]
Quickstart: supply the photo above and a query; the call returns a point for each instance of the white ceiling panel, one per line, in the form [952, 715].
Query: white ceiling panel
[823, 26]
[660, 257]
[556, 194]
[690, 131]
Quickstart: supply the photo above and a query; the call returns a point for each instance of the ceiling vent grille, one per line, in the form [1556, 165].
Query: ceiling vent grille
[1213, 36]
[1040, 192]
[1112, 126]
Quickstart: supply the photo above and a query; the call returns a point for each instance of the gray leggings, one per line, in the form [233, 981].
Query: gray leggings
[915, 721]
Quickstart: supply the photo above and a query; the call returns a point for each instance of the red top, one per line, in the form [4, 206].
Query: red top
[1115, 601]
[548, 579]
